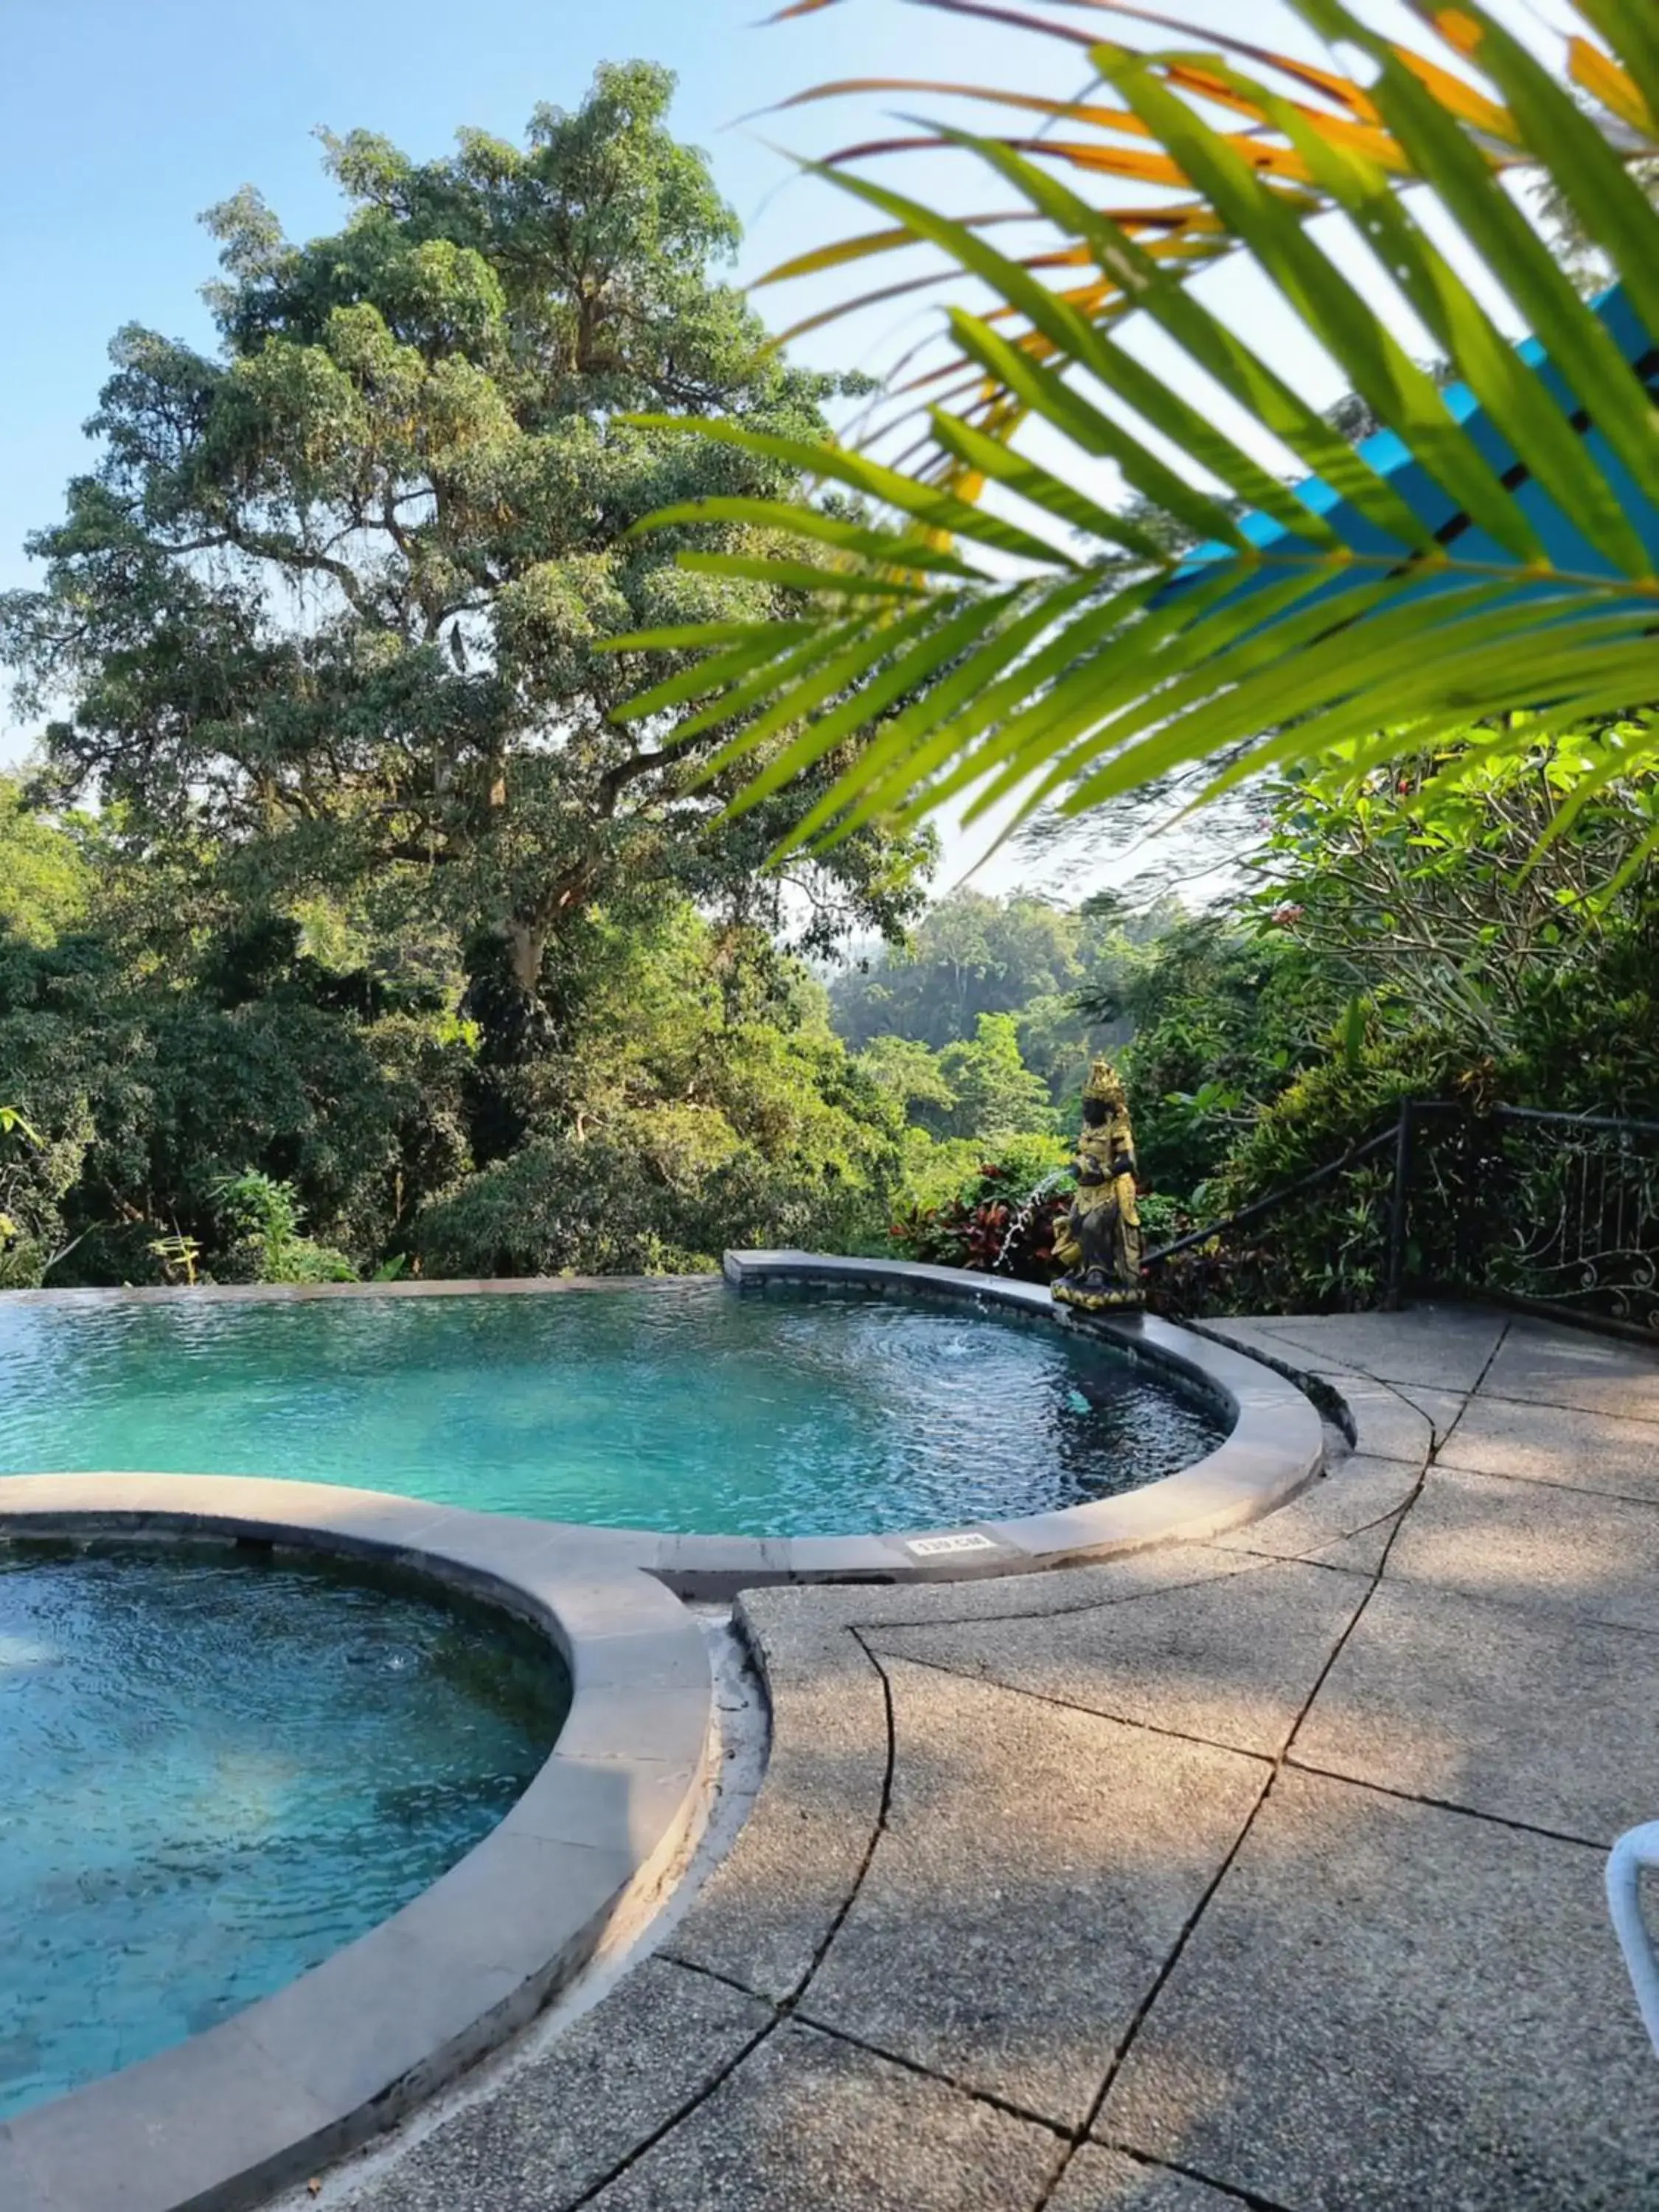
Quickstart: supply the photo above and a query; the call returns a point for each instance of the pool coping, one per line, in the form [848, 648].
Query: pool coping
[219, 2122]
[1275, 1448]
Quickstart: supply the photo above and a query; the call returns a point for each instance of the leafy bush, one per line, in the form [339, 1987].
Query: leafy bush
[1000, 1220]
[613, 1205]
[21, 1256]
[264, 1220]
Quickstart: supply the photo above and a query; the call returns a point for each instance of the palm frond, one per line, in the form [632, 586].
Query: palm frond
[1106, 137]
[1006, 627]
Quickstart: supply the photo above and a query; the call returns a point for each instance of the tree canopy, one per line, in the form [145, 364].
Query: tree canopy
[329, 604]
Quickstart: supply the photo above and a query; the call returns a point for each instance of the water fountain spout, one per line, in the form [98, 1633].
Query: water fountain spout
[1019, 1220]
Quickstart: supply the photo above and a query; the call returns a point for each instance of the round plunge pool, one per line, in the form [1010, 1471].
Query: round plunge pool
[220, 1769]
[678, 1406]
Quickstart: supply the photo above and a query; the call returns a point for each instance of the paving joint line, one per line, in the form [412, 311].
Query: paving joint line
[1289, 1757]
[838, 1918]
[681, 2113]
[1059, 1612]
[795, 2008]
[1164, 1589]
[1251, 2199]
[1599, 1844]
[1435, 1449]
[718, 1974]
[1549, 1610]
[1553, 1482]
[783, 2010]
[1554, 1405]
[1160, 1980]
[1091, 1712]
[1310, 1560]
[1006, 2106]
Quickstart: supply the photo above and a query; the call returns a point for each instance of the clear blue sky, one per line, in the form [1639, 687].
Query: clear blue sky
[120, 120]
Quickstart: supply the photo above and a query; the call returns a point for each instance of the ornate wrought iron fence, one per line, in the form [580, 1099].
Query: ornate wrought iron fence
[1555, 1211]
[1320, 1241]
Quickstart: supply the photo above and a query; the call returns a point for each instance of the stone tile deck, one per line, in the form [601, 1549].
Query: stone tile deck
[1259, 1874]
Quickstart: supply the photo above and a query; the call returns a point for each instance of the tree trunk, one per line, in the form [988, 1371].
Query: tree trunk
[504, 997]
[525, 941]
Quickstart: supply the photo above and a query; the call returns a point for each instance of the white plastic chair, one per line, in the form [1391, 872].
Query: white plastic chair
[1637, 1849]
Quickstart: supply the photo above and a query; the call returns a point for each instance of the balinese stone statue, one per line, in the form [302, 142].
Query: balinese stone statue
[1099, 1241]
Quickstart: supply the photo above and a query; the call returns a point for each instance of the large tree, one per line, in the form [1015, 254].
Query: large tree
[330, 605]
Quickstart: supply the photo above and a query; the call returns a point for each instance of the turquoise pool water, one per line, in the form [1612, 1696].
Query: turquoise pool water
[678, 1406]
[215, 1773]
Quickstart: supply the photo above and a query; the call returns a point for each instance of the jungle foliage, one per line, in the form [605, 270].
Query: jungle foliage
[390, 892]
[282, 1096]
[270, 1101]
[1379, 947]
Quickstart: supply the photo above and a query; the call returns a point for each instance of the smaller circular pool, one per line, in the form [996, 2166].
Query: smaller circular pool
[218, 1770]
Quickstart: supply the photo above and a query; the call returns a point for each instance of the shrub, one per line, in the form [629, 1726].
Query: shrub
[264, 1219]
[1000, 1220]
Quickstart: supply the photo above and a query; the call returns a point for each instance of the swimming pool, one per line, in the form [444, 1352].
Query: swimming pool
[218, 1771]
[676, 1407]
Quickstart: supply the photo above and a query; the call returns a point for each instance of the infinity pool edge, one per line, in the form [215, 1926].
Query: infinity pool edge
[1274, 1448]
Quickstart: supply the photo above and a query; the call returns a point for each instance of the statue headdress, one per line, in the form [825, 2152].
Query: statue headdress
[1105, 1082]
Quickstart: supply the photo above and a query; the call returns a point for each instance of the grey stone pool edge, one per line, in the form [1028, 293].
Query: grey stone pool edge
[1275, 1447]
[221, 2121]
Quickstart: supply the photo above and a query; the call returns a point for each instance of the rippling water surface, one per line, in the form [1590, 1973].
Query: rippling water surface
[680, 1407]
[217, 1772]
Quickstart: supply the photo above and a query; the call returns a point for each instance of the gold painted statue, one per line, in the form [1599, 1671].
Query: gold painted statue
[1099, 1241]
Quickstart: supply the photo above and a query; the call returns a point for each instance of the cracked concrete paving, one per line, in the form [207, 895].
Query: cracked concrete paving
[1264, 1873]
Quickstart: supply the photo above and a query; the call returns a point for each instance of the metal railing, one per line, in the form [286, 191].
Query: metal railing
[1559, 1211]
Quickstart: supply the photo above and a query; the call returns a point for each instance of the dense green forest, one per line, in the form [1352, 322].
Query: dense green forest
[291, 1096]
[336, 869]
[346, 928]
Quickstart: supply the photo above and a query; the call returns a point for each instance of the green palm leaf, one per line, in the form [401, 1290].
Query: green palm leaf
[999, 624]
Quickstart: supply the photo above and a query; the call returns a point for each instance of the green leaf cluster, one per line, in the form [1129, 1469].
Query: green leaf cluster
[1086, 654]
